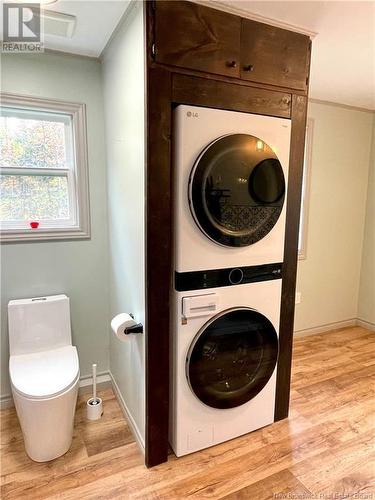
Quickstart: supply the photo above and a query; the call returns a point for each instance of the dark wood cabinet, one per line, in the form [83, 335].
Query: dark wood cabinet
[274, 56]
[196, 37]
[192, 36]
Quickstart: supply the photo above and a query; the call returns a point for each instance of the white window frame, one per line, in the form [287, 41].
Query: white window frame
[305, 198]
[78, 225]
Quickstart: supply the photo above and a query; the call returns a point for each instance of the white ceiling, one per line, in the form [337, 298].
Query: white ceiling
[343, 58]
[95, 22]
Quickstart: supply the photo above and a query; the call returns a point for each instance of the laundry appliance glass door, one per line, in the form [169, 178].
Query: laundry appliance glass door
[237, 190]
[232, 358]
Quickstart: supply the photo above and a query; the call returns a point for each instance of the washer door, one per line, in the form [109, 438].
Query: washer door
[232, 358]
[237, 190]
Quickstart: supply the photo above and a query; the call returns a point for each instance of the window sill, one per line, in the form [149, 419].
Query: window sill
[48, 234]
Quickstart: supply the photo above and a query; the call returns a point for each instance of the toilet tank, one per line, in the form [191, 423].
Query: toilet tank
[39, 324]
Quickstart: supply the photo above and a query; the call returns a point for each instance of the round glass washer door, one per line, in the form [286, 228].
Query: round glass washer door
[237, 190]
[232, 358]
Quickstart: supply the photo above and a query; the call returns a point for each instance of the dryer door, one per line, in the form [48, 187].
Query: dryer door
[237, 190]
[232, 358]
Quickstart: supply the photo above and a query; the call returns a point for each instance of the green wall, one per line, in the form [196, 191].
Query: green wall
[123, 86]
[328, 279]
[76, 268]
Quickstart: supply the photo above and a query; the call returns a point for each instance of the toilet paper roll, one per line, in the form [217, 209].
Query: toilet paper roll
[119, 323]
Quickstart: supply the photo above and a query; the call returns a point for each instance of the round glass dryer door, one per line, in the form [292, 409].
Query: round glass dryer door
[232, 358]
[237, 190]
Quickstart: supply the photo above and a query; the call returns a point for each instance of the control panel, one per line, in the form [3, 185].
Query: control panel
[213, 278]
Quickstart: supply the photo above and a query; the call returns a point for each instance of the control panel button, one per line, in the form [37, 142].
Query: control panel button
[235, 276]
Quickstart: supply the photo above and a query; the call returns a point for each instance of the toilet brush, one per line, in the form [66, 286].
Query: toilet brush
[94, 406]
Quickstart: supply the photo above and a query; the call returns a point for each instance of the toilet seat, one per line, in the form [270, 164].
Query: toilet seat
[45, 374]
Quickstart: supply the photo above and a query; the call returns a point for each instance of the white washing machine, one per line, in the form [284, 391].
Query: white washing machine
[231, 174]
[223, 357]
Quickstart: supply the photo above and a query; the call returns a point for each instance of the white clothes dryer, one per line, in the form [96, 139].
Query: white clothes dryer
[231, 175]
[225, 342]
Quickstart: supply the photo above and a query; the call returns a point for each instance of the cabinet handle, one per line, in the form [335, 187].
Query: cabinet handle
[248, 67]
[232, 64]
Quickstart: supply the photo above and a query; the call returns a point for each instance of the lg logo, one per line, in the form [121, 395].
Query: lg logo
[191, 114]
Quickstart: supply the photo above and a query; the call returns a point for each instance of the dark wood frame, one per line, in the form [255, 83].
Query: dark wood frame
[158, 263]
[166, 87]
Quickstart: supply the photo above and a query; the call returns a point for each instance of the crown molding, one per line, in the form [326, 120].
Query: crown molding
[223, 6]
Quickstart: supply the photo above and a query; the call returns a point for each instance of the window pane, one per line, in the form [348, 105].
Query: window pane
[33, 197]
[29, 142]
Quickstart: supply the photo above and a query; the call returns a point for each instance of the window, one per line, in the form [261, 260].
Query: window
[302, 237]
[43, 170]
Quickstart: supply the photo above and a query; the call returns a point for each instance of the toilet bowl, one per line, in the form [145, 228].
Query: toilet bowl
[44, 374]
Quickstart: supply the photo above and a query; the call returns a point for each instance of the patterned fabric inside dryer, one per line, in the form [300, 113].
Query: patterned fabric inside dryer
[237, 190]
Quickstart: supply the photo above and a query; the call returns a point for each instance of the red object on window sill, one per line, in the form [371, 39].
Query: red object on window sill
[34, 225]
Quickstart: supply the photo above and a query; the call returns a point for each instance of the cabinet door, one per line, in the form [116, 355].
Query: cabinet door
[274, 55]
[196, 37]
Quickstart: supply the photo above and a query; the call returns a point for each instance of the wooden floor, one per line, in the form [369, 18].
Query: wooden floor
[324, 450]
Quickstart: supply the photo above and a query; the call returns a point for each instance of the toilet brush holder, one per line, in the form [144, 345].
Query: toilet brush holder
[94, 408]
[94, 405]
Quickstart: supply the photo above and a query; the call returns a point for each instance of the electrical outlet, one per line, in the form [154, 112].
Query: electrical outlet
[298, 297]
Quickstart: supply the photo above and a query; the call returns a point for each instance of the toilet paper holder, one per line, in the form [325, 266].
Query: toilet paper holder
[137, 328]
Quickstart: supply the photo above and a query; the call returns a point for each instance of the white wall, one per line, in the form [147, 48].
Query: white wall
[329, 277]
[366, 301]
[77, 268]
[123, 78]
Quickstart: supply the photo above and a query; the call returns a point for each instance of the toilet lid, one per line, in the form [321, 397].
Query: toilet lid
[44, 374]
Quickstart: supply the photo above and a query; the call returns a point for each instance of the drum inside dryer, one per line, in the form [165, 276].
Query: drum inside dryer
[237, 190]
[232, 358]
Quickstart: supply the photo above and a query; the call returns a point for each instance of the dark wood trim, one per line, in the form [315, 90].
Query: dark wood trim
[149, 11]
[158, 263]
[162, 96]
[299, 111]
[167, 86]
[216, 94]
[227, 79]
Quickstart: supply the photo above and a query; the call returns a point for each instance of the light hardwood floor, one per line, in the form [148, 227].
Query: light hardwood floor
[324, 450]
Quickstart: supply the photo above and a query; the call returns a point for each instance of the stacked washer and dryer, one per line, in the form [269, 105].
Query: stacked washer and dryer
[231, 173]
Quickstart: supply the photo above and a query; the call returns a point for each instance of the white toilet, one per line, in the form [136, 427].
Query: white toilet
[44, 373]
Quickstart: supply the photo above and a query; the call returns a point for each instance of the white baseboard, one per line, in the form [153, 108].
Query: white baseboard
[132, 424]
[366, 324]
[326, 328]
[335, 326]
[104, 381]
[6, 401]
